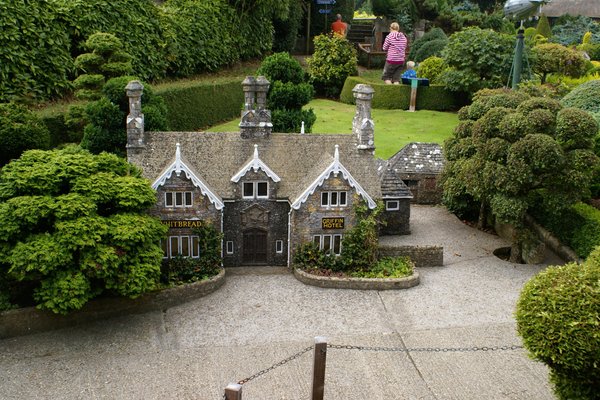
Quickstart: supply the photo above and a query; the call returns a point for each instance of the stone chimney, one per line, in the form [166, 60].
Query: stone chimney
[135, 119]
[256, 119]
[363, 126]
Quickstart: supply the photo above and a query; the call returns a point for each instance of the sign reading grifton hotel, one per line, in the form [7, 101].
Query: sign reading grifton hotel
[332, 223]
[182, 223]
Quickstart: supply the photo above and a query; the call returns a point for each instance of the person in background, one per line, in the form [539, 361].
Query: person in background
[395, 44]
[410, 70]
[339, 27]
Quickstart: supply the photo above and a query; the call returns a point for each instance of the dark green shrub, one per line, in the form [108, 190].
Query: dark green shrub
[20, 130]
[105, 130]
[287, 27]
[541, 121]
[34, 54]
[333, 60]
[281, 67]
[435, 35]
[289, 95]
[137, 23]
[487, 126]
[536, 103]
[515, 126]
[291, 120]
[558, 313]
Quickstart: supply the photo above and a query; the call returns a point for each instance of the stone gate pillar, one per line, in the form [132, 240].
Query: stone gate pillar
[135, 119]
[363, 126]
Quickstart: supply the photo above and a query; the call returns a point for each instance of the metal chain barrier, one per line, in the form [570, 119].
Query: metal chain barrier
[379, 348]
[424, 349]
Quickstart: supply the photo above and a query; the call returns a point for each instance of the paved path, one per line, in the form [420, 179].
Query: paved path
[263, 315]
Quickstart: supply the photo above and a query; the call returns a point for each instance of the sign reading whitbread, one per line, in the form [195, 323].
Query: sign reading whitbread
[332, 223]
[182, 223]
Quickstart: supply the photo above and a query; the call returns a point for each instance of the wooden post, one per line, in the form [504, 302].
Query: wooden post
[320, 357]
[413, 95]
[233, 391]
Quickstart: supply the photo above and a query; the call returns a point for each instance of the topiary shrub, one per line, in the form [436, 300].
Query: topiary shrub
[551, 58]
[20, 130]
[106, 60]
[333, 60]
[575, 128]
[584, 96]
[434, 35]
[558, 317]
[287, 93]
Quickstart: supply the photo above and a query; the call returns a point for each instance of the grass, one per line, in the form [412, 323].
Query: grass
[393, 128]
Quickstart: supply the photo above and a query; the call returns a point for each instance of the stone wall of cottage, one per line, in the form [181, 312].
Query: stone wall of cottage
[424, 187]
[269, 215]
[397, 222]
[201, 209]
[306, 222]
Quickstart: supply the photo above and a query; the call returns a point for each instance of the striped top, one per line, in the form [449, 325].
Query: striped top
[395, 44]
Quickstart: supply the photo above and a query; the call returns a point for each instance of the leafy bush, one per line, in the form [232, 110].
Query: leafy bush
[291, 120]
[287, 26]
[558, 316]
[282, 67]
[431, 68]
[34, 54]
[388, 267]
[74, 225]
[333, 60]
[554, 58]
[569, 30]
[289, 95]
[575, 129]
[477, 59]
[20, 130]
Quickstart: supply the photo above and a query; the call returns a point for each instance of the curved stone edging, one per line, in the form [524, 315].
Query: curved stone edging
[357, 283]
[25, 321]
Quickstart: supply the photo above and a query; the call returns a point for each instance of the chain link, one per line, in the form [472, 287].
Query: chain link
[276, 365]
[424, 349]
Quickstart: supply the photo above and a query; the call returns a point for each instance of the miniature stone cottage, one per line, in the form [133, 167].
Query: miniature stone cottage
[266, 192]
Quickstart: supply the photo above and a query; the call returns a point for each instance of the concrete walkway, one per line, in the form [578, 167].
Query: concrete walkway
[263, 315]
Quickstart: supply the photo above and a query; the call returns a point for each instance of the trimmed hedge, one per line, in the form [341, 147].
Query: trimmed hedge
[578, 227]
[434, 97]
[199, 105]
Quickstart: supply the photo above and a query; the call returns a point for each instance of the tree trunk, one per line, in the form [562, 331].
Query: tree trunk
[482, 216]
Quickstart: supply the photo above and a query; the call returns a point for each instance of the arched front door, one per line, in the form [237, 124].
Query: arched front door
[255, 246]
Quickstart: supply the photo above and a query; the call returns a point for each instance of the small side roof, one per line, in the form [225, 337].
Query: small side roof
[416, 157]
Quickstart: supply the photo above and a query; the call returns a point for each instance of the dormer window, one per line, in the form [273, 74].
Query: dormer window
[178, 199]
[334, 199]
[256, 190]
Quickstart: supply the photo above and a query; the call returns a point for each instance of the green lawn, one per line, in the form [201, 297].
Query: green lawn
[393, 128]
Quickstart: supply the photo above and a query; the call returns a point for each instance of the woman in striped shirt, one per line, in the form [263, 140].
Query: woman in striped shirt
[395, 44]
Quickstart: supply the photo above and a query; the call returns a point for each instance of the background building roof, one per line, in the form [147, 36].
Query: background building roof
[418, 158]
[557, 8]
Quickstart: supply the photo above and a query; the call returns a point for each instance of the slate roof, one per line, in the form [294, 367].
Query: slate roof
[418, 158]
[297, 159]
[393, 186]
[557, 8]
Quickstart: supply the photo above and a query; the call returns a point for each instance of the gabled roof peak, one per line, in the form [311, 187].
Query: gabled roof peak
[255, 164]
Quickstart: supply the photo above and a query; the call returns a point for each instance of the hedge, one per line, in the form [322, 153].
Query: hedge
[578, 227]
[199, 105]
[433, 97]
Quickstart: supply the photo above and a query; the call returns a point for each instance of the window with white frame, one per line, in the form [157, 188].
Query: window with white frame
[184, 246]
[178, 199]
[255, 190]
[331, 244]
[334, 199]
[279, 246]
[392, 205]
[229, 247]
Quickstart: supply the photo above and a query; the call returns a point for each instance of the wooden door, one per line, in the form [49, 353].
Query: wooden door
[255, 247]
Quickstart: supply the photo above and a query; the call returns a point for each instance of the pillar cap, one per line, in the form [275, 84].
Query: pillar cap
[134, 88]
[363, 88]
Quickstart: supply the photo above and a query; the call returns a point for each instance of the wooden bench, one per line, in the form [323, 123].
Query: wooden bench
[367, 48]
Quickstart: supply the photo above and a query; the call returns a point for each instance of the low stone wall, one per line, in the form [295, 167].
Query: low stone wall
[422, 256]
[357, 283]
[25, 321]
